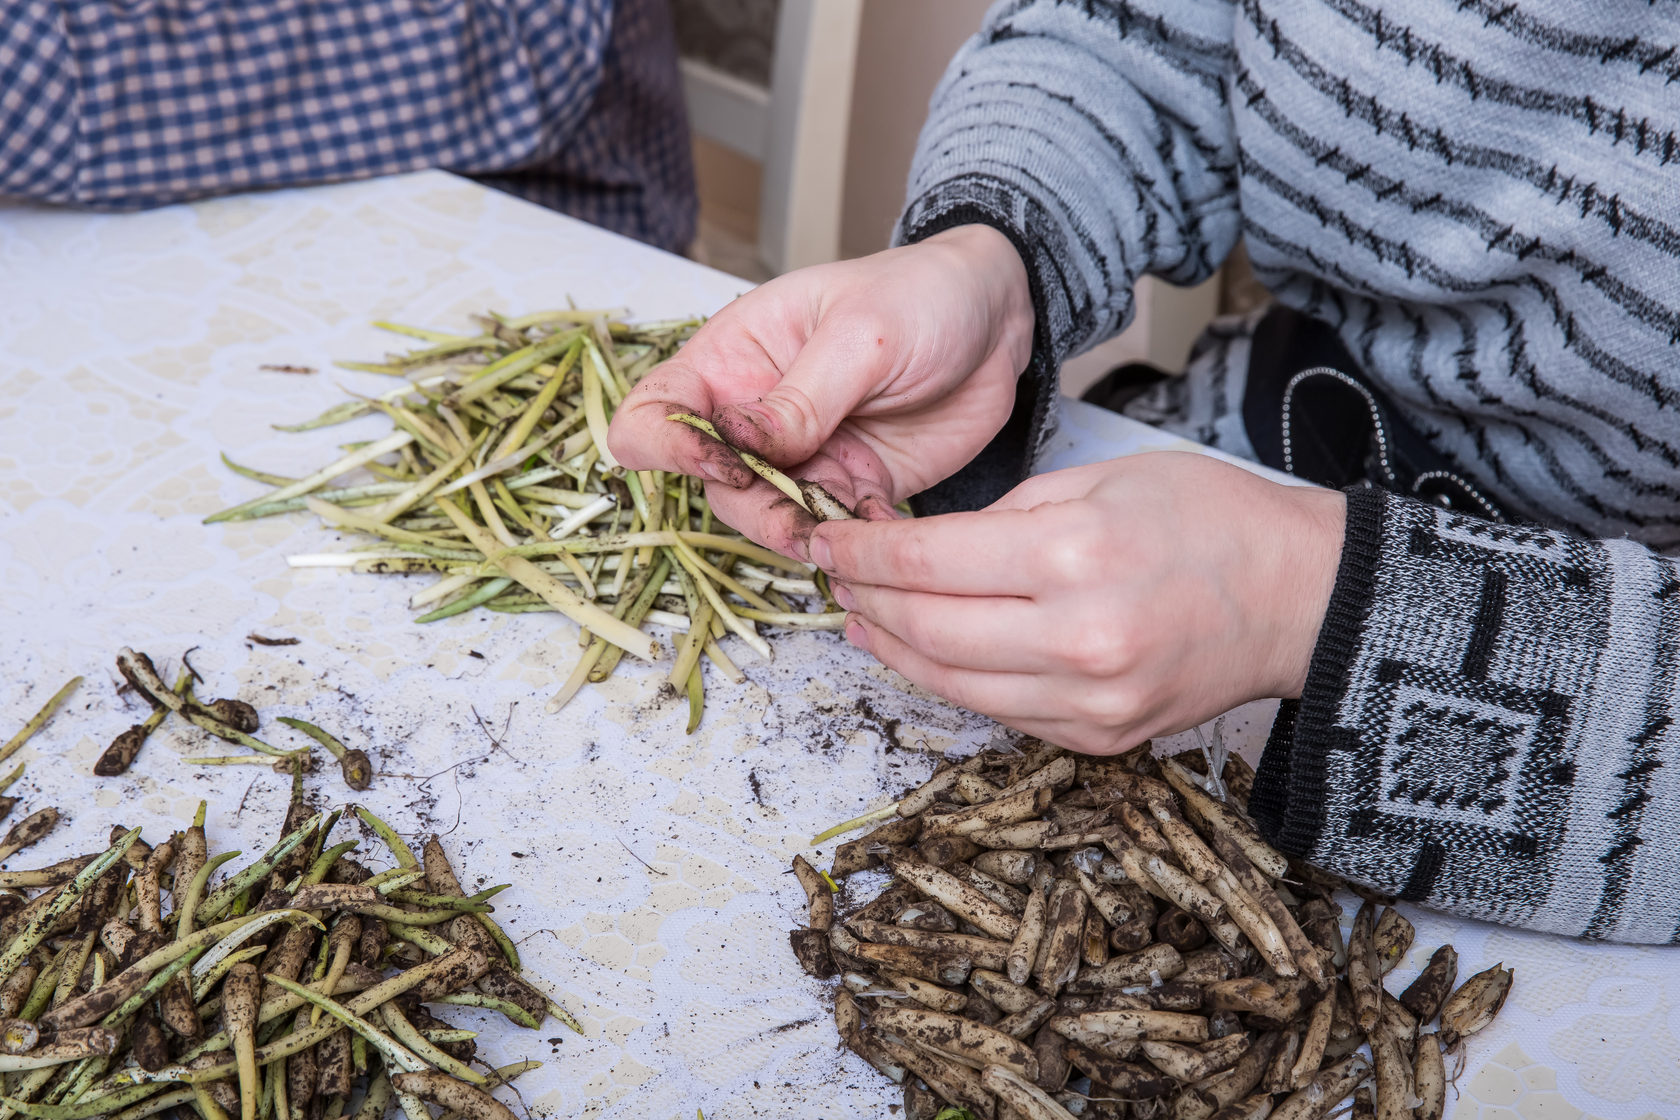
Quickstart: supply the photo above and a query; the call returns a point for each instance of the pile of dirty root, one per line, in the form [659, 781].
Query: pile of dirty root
[132, 982]
[1110, 938]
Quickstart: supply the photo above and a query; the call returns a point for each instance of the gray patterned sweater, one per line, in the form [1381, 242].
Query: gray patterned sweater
[1482, 198]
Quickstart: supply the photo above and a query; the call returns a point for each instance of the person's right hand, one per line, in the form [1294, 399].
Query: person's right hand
[876, 377]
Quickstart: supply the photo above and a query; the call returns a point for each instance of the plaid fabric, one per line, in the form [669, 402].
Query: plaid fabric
[573, 103]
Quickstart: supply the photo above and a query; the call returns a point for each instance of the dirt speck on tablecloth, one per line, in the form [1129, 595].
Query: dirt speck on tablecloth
[886, 726]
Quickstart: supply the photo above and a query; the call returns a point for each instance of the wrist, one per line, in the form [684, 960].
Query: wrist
[1313, 523]
[988, 256]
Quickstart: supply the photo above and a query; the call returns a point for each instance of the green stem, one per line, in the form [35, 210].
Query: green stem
[38, 720]
[404, 857]
[36, 929]
[512, 1011]
[223, 897]
[485, 592]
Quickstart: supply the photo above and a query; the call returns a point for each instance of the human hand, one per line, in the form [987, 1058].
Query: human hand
[1103, 605]
[875, 377]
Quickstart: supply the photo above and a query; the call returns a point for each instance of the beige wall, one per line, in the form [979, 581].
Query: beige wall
[903, 46]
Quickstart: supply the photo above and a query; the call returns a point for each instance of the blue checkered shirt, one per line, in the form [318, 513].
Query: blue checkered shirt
[119, 104]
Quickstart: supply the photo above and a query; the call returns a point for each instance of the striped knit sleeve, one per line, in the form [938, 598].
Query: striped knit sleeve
[1484, 726]
[1097, 137]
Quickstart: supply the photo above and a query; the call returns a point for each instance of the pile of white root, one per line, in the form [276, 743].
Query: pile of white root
[1109, 938]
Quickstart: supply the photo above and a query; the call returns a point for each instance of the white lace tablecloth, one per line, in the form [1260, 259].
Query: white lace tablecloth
[648, 865]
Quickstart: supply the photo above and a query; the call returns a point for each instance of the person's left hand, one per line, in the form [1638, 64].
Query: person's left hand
[1103, 605]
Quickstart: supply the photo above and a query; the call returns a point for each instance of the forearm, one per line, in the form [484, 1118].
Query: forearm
[1484, 725]
[100, 107]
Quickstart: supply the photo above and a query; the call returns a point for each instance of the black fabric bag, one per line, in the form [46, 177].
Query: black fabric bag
[1309, 412]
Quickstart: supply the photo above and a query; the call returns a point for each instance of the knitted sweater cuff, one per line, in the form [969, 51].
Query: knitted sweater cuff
[1485, 724]
[1287, 801]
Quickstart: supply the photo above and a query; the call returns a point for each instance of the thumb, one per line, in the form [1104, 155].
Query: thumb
[831, 375]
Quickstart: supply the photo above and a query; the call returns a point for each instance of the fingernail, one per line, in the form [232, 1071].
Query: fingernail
[843, 595]
[800, 546]
[746, 425]
[822, 553]
[877, 509]
[758, 416]
[855, 634]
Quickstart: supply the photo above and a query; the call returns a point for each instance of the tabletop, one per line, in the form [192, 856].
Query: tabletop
[650, 892]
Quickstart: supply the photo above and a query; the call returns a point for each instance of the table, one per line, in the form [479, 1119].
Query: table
[649, 867]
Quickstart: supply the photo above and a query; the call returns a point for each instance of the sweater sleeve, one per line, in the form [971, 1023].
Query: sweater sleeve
[1487, 725]
[1098, 139]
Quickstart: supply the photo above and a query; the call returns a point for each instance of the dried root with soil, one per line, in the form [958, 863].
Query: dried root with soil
[302, 985]
[232, 721]
[1108, 938]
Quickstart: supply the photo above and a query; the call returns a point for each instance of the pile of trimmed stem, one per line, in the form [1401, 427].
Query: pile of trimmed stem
[498, 479]
[1109, 938]
[301, 987]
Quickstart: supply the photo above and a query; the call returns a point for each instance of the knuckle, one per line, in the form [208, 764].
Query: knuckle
[1109, 741]
[962, 695]
[926, 674]
[1099, 651]
[911, 629]
[874, 606]
[919, 672]
[1094, 741]
[1072, 557]
[1108, 707]
[797, 411]
[931, 639]
[912, 559]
